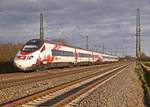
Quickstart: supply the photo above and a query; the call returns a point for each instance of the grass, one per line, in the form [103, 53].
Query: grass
[147, 63]
[145, 79]
[146, 70]
[7, 67]
[147, 87]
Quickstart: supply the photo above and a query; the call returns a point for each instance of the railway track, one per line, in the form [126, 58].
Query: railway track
[21, 75]
[46, 75]
[64, 93]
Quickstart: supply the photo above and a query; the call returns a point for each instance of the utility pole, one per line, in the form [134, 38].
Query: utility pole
[87, 42]
[138, 35]
[41, 28]
[98, 49]
[103, 47]
[116, 53]
[111, 52]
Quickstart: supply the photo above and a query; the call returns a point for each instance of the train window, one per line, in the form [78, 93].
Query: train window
[84, 55]
[30, 48]
[109, 57]
[33, 42]
[31, 45]
[61, 53]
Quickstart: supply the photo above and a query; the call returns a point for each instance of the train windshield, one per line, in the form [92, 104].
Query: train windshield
[31, 45]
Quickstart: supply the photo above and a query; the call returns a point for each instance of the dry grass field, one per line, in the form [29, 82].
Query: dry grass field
[7, 54]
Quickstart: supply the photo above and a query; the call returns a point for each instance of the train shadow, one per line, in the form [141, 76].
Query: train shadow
[7, 67]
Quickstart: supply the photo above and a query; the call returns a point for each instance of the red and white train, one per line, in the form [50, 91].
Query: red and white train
[34, 55]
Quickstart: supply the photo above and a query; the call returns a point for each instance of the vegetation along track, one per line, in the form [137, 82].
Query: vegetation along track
[46, 75]
[77, 87]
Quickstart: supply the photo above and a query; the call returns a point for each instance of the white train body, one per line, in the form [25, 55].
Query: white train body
[34, 54]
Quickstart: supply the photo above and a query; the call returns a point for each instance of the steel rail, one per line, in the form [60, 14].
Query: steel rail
[51, 90]
[73, 94]
[11, 83]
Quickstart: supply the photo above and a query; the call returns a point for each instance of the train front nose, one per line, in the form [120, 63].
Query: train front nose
[22, 64]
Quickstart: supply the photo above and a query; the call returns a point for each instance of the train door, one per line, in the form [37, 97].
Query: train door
[76, 57]
[92, 57]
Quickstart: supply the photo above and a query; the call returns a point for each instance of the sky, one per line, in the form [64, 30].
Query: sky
[108, 22]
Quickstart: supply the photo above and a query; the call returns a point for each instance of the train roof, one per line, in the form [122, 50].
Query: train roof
[52, 42]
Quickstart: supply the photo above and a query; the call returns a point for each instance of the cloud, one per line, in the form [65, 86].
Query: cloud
[108, 21]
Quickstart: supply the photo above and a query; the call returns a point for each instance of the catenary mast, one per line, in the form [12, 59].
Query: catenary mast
[41, 28]
[138, 35]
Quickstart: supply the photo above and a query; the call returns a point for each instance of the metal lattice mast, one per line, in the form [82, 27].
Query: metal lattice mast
[87, 42]
[41, 28]
[138, 35]
[139, 32]
[103, 47]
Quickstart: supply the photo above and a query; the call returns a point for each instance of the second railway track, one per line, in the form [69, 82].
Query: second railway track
[45, 75]
[21, 75]
[63, 93]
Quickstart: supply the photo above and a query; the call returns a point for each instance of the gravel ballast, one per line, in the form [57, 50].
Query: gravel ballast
[16, 92]
[124, 90]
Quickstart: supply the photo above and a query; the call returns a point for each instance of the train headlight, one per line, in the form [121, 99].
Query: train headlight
[29, 57]
[21, 57]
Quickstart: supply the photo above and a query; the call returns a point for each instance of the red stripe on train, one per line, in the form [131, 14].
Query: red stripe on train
[25, 53]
